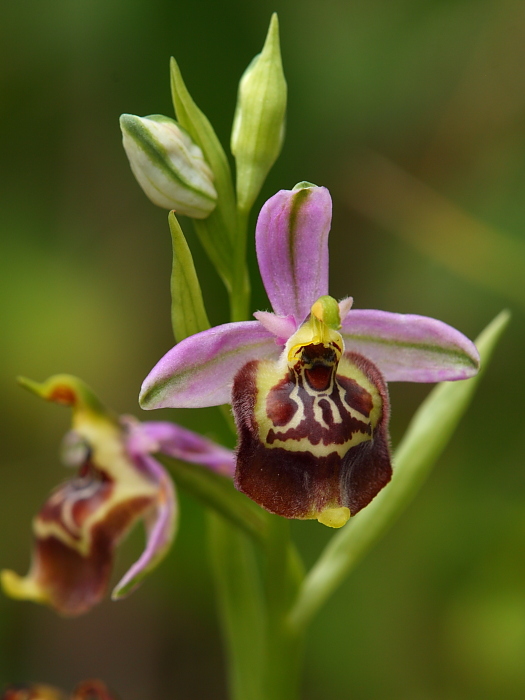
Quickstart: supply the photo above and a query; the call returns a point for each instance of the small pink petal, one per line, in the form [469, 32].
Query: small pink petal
[344, 307]
[280, 326]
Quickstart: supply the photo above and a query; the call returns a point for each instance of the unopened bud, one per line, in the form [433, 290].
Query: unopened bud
[258, 126]
[168, 165]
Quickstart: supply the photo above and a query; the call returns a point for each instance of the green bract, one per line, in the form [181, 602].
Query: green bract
[217, 233]
[258, 126]
[188, 314]
[168, 165]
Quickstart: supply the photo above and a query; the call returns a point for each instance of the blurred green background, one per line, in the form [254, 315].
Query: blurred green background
[412, 112]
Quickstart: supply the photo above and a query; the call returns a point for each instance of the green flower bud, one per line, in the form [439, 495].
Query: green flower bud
[258, 126]
[168, 165]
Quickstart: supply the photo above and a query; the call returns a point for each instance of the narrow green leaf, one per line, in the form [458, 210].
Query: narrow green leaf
[188, 315]
[217, 233]
[241, 607]
[218, 492]
[427, 435]
[284, 572]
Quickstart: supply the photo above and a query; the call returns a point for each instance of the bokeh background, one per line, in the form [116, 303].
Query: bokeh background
[413, 113]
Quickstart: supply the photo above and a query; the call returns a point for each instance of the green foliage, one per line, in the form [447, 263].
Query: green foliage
[188, 315]
[217, 232]
[430, 430]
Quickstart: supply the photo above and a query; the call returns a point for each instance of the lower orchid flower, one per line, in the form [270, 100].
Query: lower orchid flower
[88, 690]
[35, 691]
[308, 382]
[118, 483]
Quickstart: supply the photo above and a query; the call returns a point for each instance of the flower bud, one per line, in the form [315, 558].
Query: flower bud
[258, 126]
[168, 165]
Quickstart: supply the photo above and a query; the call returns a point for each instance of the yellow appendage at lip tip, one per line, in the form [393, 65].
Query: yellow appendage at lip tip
[334, 517]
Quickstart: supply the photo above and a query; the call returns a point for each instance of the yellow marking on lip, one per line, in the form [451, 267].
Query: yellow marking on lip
[319, 450]
[314, 331]
[129, 483]
[349, 370]
[270, 373]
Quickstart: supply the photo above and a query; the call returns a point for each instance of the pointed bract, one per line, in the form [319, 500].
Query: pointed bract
[217, 232]
[188, 313]
[258, 126]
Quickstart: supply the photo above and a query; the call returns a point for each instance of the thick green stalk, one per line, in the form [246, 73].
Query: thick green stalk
[284, 645]
[241, 608]
[218, 492]
[284, 655]
[429, 432]
[240, 289]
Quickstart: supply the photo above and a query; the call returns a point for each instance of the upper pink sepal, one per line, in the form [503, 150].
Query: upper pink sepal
[292, 248]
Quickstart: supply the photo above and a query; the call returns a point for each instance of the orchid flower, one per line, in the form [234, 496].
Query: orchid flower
[88, 690]
[34, 691]
[118, 482]
[308, 382]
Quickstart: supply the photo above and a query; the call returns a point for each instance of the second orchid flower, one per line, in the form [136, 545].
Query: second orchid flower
[118, 482]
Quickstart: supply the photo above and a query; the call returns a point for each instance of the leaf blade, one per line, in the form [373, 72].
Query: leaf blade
[188, 314]
[217, 232]
[426, 437]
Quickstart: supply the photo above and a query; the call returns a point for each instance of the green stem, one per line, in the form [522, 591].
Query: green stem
[284, 645]
[218, 492]
[241, 608]
[240, 291]
[284, 655]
